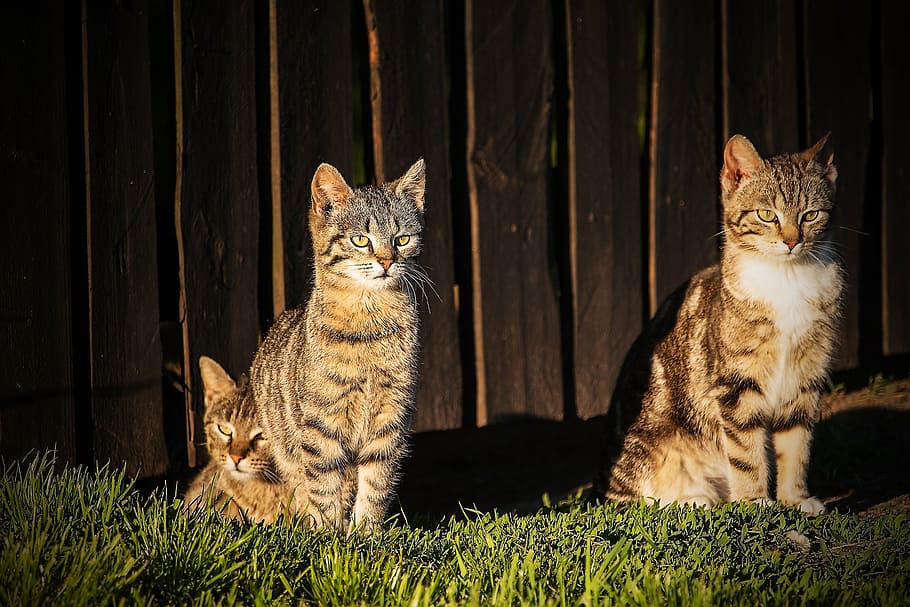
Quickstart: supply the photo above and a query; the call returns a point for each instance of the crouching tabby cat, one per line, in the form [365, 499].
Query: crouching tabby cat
[734, 384]
[240, 477]
[336, 380]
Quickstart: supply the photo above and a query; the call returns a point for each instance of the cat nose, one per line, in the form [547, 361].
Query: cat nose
[236, 458]
[385, 263]
[791, 243]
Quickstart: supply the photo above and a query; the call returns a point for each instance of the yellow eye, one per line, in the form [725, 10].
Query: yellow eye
[226, 430]
[810, 216]
[402, 240]
[360, 240]
[766, 215]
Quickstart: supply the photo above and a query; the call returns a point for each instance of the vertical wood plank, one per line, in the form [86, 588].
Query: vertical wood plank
[761, 74]
[36, 349]
[604, 187]
[517, 328]
[123, 273]
[895, 96]
[410, 122]
[217, 191]
[683, 186]
[315, 109]
[837, 43]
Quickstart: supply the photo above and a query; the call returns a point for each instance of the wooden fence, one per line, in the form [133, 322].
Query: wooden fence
[156, 159]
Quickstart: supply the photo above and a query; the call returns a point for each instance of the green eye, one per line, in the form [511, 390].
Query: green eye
[402, 240]
[360, 240]
[226, 430]
[810, 216]
[766, 215]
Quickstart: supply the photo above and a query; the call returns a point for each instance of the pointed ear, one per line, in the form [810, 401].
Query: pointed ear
[412, 185]
[822, 153]
[741, 161]
[329, 190]
[215, 380]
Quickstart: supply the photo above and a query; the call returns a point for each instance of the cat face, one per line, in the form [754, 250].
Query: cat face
[778, 208]
[369, 237]
[233, 435]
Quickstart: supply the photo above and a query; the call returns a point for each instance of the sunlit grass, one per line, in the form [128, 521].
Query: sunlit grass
[79, 537]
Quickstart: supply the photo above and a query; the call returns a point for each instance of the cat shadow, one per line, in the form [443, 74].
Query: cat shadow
[507, 468]
[860, 456]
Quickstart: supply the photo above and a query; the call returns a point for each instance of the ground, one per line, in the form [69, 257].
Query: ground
[860, 458]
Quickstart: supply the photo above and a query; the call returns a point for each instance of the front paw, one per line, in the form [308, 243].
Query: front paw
[812, 506]
[761, 501]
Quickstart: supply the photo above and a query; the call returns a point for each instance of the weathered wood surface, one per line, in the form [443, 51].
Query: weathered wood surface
[836, 43]
[683, 197]
[37, 408]
[217, 191]
[895, 99]
[516, 313]
[604, 184]
[315, 108]
[410, 121]
[123, 318]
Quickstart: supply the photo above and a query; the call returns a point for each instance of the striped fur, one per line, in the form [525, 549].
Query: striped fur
[240, 478]
[734, 385]
[336, 379]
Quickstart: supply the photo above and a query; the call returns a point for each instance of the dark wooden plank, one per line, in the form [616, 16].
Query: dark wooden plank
[761, 66]
[315, 105]
[684, 159]
[604, 189]
[410, 122]
[123, 273]
[36, 349]
[217, 192]
[837, 43]
[895, 99]
[517, 325]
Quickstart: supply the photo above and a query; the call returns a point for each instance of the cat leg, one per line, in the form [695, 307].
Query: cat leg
[792, 434]
[376, 478]
[745, 444]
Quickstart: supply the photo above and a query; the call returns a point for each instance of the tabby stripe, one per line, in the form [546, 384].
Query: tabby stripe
[741, 465]
[310, 449]
[797, 418]
[322, 492]
[338, 336]
[320, 426]
[336, 259]
[331, 243]
[329, 465]
[751, 423]
[734, 437]
[736, 385]
[816, 384]
[376, 457]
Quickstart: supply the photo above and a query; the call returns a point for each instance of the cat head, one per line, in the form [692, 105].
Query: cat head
[233, 435]
[368, 237]
[778, 207]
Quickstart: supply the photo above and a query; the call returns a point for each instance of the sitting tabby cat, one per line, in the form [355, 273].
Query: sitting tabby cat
[240, 472]
[735, 381]
[336, 379]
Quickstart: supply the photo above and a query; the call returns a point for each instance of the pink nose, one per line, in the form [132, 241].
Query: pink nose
[236, 458]
[791, 243]
[385, 263]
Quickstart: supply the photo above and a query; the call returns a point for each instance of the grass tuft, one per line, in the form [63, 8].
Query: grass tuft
[86, 537]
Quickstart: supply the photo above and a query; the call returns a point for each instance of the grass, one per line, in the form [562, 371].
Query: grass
[74, 536]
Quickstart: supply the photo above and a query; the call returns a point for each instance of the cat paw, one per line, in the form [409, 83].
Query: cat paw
[812, 506]
[761, 501]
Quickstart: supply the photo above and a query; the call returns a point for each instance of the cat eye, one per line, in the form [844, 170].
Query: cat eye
[766, 215]
[402, 240]
[257, 437]
[810, 216]
[226, 430]
[360, 240]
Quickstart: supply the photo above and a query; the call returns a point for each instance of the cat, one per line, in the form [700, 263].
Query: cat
[240, 478]
[735, 377]
[336, 379]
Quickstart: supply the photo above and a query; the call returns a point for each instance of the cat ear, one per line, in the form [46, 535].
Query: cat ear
[329, 189]
[741, 161]
[822, 153]
[412, 185]
[216, 381]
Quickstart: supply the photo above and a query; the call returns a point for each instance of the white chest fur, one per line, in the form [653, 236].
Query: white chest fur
[796, 292]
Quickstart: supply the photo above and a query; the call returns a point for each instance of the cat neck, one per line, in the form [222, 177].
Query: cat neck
[357, 299]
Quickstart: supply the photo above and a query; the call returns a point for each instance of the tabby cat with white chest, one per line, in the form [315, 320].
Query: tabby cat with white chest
[734, 385]
[336, 380]
[240, 478]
